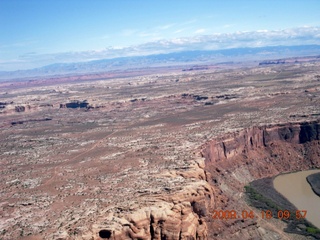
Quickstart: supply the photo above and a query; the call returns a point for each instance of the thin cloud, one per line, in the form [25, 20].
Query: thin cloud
[228, 25]
[165, 27]
[201, 30]
[128, 32]
[148, 34]
[191, 21]
[180, 30]
[262, 31]
[155, 45]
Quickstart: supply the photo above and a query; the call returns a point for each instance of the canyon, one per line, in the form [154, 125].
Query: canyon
[259, 152]
[230, 163]
[152, 156]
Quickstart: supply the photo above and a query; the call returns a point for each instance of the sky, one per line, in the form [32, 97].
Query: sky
[34, 33]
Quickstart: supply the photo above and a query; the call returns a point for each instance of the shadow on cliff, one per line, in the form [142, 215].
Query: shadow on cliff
[236, 159]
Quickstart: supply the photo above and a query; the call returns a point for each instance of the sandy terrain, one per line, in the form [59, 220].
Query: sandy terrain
[129, 165]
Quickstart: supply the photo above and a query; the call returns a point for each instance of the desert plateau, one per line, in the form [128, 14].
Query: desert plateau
[153, 154]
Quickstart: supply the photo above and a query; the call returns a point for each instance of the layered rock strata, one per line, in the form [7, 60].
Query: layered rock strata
[235, 160]
[181, 215]
[231, 162]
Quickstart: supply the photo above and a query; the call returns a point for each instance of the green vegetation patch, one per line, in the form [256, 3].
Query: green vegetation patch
[313, 230]
[255, 198]
[261, 195]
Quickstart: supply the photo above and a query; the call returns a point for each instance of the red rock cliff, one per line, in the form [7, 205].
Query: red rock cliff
[231, 162]
[259, 137]
[236, 159]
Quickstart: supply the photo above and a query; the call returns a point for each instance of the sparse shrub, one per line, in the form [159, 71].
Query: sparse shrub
[313, 230]
[255, 196]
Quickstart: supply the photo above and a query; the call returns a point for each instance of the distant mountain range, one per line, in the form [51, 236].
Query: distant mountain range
[176, 58]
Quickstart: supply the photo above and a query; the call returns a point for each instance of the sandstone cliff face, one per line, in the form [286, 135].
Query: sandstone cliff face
[230, 163]
[259, 137]
[178, 216]
[164, 221]
[235, 160]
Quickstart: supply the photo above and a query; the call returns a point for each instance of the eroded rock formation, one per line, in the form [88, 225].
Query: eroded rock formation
[259, 137]
[231, 162]
[181, 215]
[234, 160]
[75, 104]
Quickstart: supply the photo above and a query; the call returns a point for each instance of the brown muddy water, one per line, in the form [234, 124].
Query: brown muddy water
[296, 189]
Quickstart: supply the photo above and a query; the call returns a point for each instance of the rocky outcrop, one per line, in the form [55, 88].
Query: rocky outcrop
[75, 104]
[30, 120]
[236, 159]
[181, 215]
[3, 104]
[268, 62]
[22, 108]
[242, 142]
[195, 68]
[230, 162]
[227, 96]
[10, 107]
[195, 97]
[314, 181]
[166, 221]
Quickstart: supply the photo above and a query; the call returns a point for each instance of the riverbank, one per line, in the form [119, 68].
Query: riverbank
[314, 181]
[262, 195]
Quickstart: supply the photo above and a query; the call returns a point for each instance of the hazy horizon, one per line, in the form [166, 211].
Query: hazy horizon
[39, 33]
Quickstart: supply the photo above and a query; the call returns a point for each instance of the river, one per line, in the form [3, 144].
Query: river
[297, 190]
